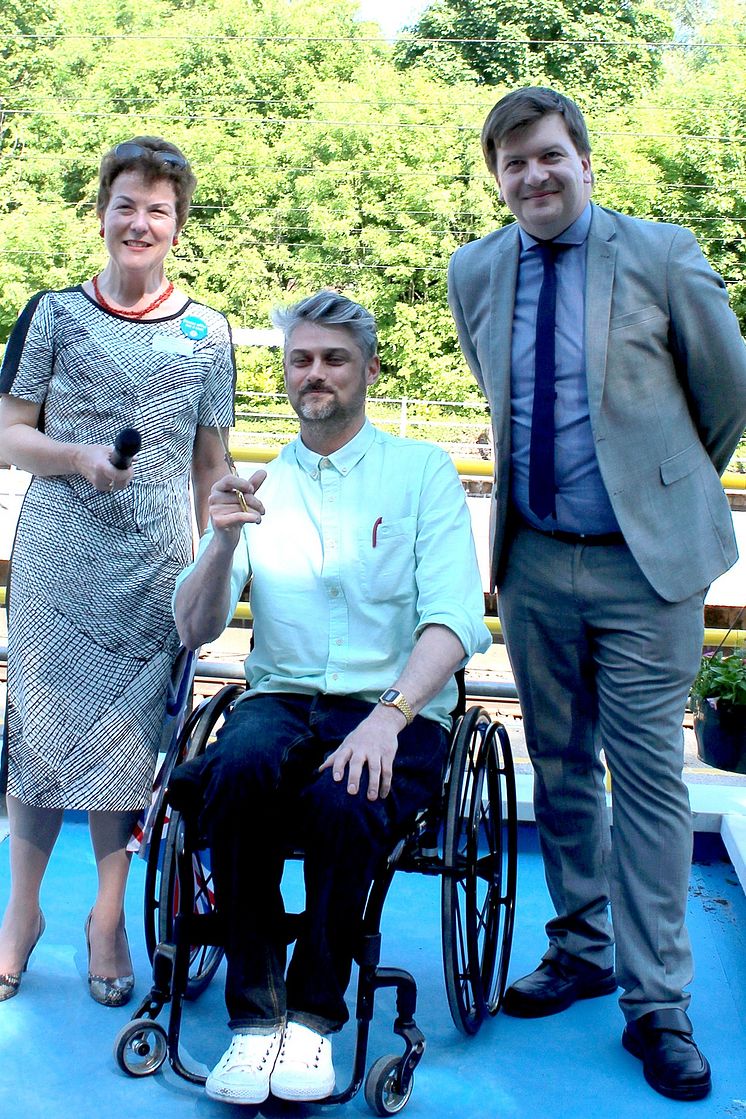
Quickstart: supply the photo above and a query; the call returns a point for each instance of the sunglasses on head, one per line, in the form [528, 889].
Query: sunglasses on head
[130, 150]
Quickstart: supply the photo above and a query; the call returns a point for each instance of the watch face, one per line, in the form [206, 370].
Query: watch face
[389, 696]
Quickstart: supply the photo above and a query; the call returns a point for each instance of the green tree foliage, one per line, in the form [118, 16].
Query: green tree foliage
[20, 22]
[600, 49]
[702, 150]
[315, 160]
[323, 162]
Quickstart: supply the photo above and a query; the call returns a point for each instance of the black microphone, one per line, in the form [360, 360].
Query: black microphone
[126, 446]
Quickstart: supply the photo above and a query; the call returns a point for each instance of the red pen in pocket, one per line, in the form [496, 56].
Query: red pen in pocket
[375, 531]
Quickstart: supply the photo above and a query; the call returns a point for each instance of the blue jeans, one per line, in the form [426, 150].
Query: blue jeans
[263, 794]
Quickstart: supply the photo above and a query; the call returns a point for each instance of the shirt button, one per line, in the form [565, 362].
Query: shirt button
[324, 464]
[335, 676]
[338, 641]
[334, 592]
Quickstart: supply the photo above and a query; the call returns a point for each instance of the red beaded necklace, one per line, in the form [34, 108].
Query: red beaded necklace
[131, 314]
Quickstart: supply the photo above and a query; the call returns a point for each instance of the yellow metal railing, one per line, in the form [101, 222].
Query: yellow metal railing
[731, 639]
[477, 468]
[732, 481]
[467, 467]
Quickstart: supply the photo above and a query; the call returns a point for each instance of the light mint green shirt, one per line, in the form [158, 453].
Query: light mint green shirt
[356, 554]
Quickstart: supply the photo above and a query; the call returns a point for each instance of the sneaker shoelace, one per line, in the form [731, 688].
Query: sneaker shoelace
[240, 1049]
[307, 1046]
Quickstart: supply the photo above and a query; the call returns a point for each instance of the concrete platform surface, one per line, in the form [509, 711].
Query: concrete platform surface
[56, 1043]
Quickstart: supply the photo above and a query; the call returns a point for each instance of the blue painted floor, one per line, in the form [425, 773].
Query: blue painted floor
[56, 1043]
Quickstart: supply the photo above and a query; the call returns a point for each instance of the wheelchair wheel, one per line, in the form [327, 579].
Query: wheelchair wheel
[204, 959]
[479, 869]
[381, 1093]
[159, 826]
[140, 1047]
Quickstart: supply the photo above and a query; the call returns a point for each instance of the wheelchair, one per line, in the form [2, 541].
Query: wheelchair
[468, 838]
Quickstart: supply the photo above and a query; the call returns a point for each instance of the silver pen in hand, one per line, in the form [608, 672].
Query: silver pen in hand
[229, 460]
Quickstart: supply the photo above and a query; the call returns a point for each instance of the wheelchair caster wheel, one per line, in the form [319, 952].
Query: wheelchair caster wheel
[381, 1093]
[140, 1047]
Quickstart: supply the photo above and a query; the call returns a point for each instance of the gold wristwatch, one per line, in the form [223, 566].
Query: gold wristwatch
[392, 698]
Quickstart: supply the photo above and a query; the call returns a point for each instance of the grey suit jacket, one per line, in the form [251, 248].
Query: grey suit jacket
[666, 372]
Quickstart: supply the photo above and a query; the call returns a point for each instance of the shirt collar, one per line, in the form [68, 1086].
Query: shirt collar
[575, 234]
[342, 460]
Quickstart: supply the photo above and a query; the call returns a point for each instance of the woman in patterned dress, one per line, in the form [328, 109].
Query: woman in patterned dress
[91, 639]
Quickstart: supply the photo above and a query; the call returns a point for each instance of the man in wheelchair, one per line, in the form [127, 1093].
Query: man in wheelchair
[366, 599]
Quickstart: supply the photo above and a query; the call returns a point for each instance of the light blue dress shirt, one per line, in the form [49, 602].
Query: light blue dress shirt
[356, 554]
[582, 502]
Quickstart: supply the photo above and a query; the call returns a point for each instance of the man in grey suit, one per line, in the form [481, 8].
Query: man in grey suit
[616, 377]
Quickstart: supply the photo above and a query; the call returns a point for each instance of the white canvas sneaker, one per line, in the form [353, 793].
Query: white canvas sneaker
[304, 1069]
[242, 1073]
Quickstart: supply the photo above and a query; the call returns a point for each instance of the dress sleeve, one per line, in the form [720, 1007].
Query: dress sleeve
[220, 383]
[29, 354]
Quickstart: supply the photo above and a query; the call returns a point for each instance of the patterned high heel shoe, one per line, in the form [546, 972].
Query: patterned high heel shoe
[108, 991]
[10, 981]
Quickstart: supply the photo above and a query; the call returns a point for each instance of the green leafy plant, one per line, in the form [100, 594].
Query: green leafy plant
[721, 678]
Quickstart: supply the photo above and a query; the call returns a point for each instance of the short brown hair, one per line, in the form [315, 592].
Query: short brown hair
[520, 109]
[182, 177]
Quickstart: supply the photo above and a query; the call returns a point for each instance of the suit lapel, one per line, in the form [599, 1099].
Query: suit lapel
[503, 279]
[599, 285]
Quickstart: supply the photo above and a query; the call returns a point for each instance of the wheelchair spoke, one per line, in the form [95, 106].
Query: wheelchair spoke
[462, 964]
[197, 956]
[484, 913]
[204, 894]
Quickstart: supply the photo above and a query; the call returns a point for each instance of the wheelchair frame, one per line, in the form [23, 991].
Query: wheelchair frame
[468, 838]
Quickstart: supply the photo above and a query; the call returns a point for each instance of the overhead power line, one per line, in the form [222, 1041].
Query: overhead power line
[378, 104]
[329, 259]
[354, 40]
[365, 125]
[373, 224]
[281, 211]
[24, 154]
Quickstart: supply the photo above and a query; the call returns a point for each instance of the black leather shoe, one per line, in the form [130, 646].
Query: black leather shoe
[671, 1061]
[557, 983]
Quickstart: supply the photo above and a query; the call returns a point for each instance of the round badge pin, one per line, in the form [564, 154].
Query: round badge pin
[193, 328]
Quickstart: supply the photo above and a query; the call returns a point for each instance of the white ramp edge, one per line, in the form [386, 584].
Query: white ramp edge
[716, 808]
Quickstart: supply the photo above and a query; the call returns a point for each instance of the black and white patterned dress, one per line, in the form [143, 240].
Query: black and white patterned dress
[91, 638]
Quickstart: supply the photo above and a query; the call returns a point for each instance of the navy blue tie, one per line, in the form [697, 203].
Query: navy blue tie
[541, 481]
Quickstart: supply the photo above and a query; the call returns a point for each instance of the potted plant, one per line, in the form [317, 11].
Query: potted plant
[719, 706]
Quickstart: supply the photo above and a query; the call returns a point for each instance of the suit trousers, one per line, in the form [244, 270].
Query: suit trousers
[263, 795]
[602, 662]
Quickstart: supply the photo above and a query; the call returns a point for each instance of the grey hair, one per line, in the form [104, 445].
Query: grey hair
[329, 308]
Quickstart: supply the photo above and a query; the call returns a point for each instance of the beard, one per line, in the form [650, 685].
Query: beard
[329, 409]
[317, 410]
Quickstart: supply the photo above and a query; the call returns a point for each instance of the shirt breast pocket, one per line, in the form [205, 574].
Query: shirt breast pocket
[386, 559]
